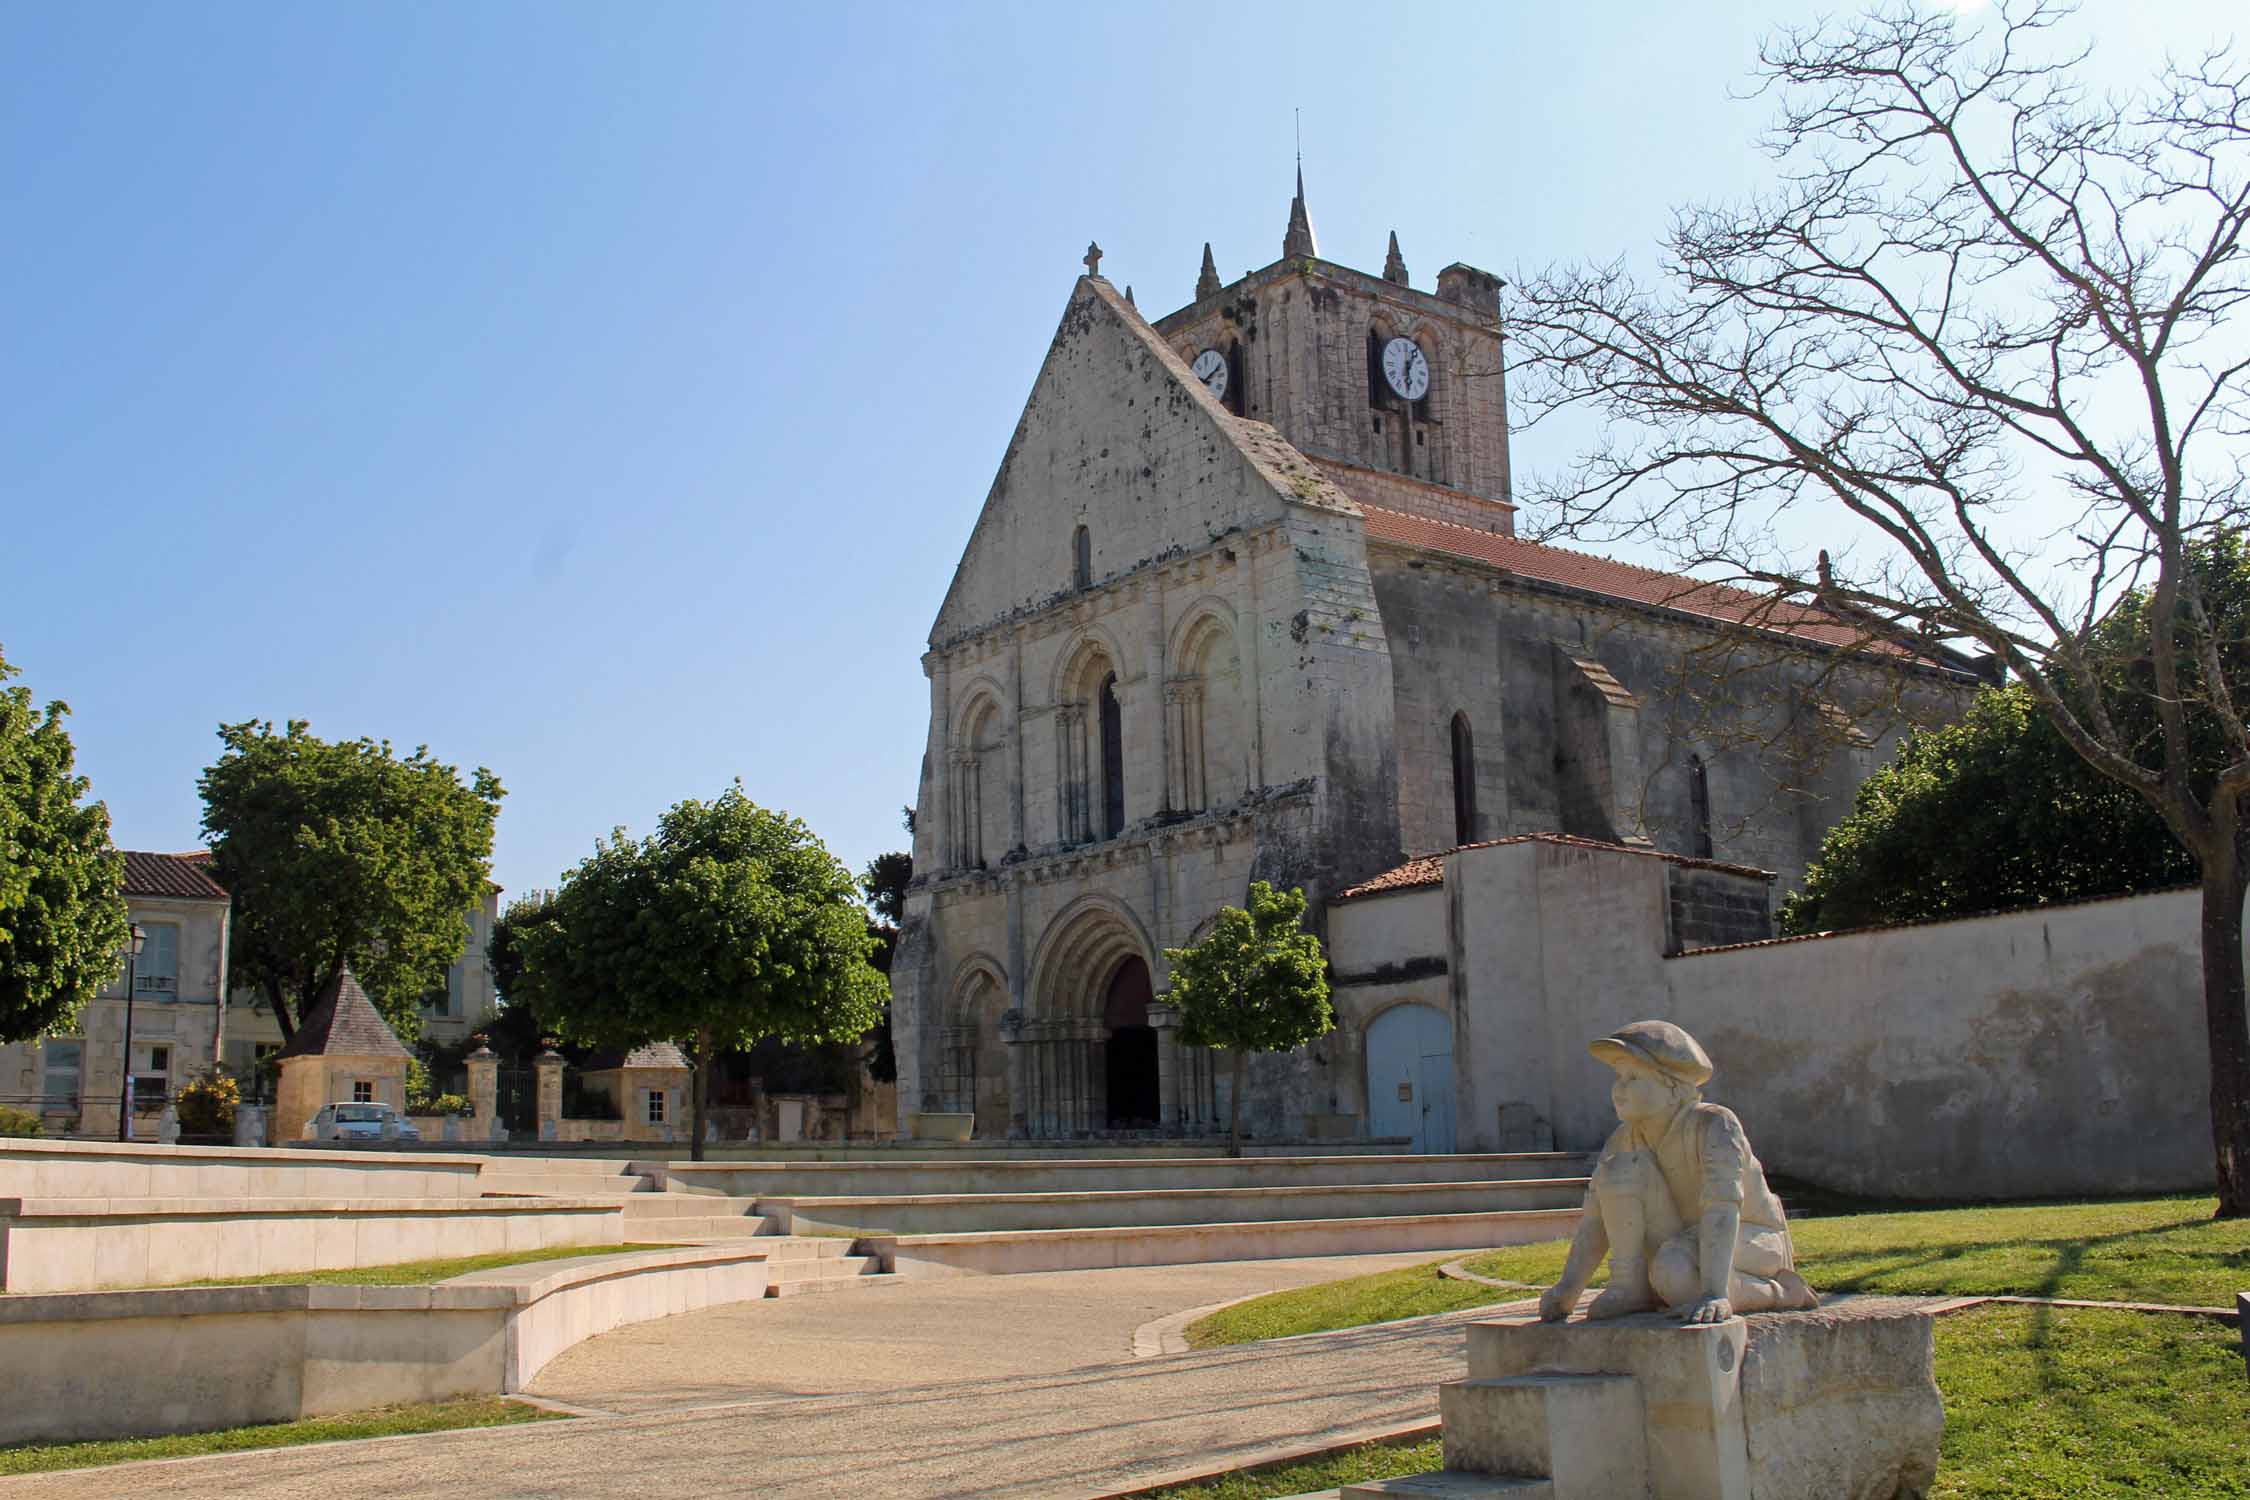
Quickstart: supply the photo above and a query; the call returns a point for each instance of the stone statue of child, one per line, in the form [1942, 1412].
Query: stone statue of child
[1677, 1201]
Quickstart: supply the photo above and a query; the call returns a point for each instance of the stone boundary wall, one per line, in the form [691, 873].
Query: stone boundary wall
[92, 1365]
[2053, 1051]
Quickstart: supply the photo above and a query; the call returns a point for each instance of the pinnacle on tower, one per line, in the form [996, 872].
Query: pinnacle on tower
[1208, 282]
[1298, 243]
[1394, 264]
[1129, 302]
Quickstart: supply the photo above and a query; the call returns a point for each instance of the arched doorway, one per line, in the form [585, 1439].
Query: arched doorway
[1410, 1077]
[1131, 1053]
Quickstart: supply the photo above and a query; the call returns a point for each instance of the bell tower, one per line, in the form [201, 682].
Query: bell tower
[1397, 394]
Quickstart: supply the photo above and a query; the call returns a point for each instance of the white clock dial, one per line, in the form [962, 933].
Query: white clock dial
[1405, 369]
[1210, 367]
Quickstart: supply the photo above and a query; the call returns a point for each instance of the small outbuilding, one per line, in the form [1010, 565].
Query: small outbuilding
[344, 1052]
[649, 1086]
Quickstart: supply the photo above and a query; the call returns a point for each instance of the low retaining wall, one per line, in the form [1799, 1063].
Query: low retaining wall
[92, 1365]
[87, 1244]
[1006, 1252]
[976, 1212]
[98, 1169]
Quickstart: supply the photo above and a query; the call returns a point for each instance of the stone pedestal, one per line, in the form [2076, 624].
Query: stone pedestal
[249, 1125]
[1840, 1403]
[547, 1071]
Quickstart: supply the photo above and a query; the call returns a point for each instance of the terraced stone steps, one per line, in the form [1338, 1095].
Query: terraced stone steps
[860, 1179]
[957, 1213]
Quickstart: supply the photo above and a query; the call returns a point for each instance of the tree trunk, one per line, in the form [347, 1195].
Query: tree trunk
[1234, 1105]
[2228, 1027]
[281, 1016]
[699, 1095]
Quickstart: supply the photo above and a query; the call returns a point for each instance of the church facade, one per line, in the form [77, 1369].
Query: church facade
[1245, 601]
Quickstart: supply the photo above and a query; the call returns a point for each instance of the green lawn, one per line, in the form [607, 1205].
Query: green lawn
[431, 1416]
[421, 1272]
[2040, 1404]
[2146, 1250]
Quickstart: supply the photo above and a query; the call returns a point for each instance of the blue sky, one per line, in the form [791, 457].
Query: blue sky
[603, 393]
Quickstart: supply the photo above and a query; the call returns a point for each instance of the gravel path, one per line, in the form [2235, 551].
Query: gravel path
[1002, 1386]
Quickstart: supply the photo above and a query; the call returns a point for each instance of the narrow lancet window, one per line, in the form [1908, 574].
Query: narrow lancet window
[1464, 782]
[1113, 760]
[1699, 806]
[1081, 559]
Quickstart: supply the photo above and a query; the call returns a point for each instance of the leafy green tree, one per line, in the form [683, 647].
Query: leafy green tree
[503, 951]
[730, 924]
[884, 884]
[1989, 813]
[344, 854]
[62, 906]
[1255, 983]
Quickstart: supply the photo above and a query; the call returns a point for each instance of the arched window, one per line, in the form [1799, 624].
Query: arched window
[1113, 760]
[1081, 558]
[1699, 806]
[1464, 782]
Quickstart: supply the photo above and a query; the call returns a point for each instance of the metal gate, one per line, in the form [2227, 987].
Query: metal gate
[1410, 1077]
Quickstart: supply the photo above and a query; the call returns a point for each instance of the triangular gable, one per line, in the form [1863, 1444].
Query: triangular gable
[1120, 437]
[343, 1022]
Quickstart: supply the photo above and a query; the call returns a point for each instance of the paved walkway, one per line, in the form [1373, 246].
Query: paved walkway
[1002, 1386]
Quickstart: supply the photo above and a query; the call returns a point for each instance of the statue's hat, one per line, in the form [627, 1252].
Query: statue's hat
[1660, 1045]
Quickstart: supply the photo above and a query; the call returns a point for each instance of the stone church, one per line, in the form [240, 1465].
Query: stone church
[1245, 601]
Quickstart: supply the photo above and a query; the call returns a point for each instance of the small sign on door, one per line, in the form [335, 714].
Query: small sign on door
[1406, 1093]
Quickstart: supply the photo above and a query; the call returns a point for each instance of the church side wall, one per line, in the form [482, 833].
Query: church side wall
[1554, 755]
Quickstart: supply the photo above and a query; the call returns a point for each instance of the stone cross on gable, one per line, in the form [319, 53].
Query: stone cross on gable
[1093, 259]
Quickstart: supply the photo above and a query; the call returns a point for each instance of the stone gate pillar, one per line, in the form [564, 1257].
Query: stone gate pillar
[484, 1094]
[549, 1068]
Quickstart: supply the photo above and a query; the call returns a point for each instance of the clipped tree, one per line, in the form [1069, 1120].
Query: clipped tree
[1987, 814]
[730, 924]
[884, 884]
[62, 903]
[344, 855]
[1255, 983]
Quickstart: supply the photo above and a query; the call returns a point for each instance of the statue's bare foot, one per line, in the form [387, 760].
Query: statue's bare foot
[1618, 1302]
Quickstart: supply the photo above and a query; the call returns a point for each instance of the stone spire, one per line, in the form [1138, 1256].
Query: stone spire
[1129, 302]
[1394, 264]
[1298, 243]
[1207, 283]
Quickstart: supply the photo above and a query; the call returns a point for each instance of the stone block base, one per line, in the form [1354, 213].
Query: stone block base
[1840, 1402]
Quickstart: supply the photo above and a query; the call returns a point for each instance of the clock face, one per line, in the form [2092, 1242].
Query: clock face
[1405, 369]
[1210, 367]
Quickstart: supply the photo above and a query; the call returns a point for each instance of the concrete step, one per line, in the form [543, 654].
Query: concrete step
[829, 1284]
[640, 1206]
[1051, 1173]
[971, 1213]
[685, 1229]
[781, 1248]
[1585, 1431]
[518, 1185]
[1450, 1484]
[1009, 1252]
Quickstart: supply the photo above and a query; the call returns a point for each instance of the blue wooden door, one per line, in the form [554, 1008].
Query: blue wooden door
[1410, 1077]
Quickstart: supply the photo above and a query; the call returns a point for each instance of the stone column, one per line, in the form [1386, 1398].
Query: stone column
[549, 1068]
[1097, 1076]
[1070, 760]
[1166, 1021]
[484, 1094]
[1019, 1116]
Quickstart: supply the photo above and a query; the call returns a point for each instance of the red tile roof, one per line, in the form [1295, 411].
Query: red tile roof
[1617, 580]
[181, 877]
[1429, 869]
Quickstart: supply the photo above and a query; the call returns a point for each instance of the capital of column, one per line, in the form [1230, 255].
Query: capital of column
[1184, 690]
[1070, 715]
[1163, 1017]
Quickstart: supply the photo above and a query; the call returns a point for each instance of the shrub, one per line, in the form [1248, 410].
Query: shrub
[18, 1121]
[205, 1105]
[449, 1104]
[419, 1092]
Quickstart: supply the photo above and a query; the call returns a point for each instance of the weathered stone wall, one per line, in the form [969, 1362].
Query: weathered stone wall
[1585, 714]
[2031, 1053]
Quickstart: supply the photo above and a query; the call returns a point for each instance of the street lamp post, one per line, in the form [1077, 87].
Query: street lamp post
[125, 1060]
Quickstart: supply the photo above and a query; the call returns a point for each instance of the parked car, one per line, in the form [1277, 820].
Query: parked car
[360, 1122]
